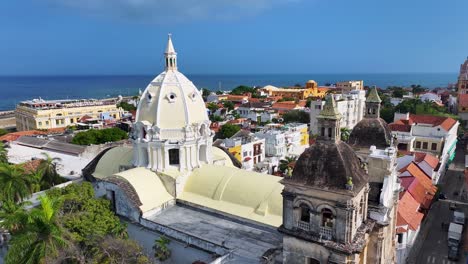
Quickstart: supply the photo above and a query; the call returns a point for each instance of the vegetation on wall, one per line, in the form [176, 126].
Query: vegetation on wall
[101, 136]
[126, 106]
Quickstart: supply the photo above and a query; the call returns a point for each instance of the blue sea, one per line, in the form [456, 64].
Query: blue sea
[18, 88]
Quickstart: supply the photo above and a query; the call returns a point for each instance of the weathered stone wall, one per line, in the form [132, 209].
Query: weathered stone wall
[123, 206]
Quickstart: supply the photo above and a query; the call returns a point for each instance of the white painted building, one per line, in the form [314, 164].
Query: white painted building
[350, 105]
[275, 142]
[430, 97]
[252, 148]
[424, 133]
[347, 86]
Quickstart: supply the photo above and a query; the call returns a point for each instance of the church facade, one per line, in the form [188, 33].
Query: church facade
[337, 207]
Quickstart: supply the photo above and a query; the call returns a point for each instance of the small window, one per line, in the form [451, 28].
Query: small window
[424, 145]
[322, 132]
[329, 132]
[47, 122]
[40, 123]
[400, 238]
[418, 144]
[434, 146]
[174, 157]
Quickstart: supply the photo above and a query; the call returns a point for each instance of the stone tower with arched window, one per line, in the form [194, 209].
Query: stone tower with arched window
[171, 132]
[325, 200]
[373, 102]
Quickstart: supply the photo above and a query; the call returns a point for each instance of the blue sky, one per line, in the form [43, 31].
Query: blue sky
[61, 37]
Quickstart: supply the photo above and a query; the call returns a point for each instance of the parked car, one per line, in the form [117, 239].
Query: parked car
[453, 253]
[453, 206]
[442, 196]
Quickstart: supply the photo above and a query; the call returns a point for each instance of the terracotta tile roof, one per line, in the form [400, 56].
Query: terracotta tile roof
[30, 166]
[285, 105]
[419, 174]
[420, 194]
[430, 159]
[15, 135]
[405, 125]
[408, 213]
[236, 97]
[401, 230]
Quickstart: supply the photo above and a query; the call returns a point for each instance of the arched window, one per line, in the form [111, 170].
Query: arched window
[305, 213]
[329, 132]
[327, 218]
[322, 133]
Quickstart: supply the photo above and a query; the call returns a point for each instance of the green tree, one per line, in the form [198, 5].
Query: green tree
[345, 133]
[88, 219]
[100, 136]
[219, 92]
[205, 92]
[42, 236]
[397, 92]
[296, 116]
[48, 169]
[212, 107]
[287, 164]
[242, 89]
[228, 105]
[416, 88]
[13, 215]
[3, 153]
[161, 251]
[3, 132]
[228, 130]
[126, 106]
[216, 118]
[16, 185]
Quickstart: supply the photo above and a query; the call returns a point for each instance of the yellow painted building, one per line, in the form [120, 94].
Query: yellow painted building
[236, 151]
[311, 90]
[42, 114]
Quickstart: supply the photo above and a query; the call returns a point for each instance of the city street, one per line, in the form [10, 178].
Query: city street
[433, 234]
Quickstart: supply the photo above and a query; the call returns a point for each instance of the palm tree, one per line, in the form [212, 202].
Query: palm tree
[41, 238]
[3, 153]
[161, 251]
[48, 166]
[16, 184]
[287, 164]
[345, 133]
[13, 215]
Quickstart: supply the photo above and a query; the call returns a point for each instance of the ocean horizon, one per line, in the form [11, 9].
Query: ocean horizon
[15, 89]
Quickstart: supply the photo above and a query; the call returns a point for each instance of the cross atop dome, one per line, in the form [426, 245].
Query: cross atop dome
[170, 55]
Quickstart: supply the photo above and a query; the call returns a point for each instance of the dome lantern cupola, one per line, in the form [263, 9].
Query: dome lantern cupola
[170, 55]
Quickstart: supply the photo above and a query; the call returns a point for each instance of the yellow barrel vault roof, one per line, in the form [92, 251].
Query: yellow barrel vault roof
[246, 194]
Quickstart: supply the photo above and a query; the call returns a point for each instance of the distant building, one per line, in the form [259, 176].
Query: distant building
[350, 105]
[348, 86]
[436, 135]
[247, 148]
[311, 90]
[46, 114]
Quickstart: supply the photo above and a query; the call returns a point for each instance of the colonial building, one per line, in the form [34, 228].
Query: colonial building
[175, 182]
[46, 114]
[436, 135]
[311, 89]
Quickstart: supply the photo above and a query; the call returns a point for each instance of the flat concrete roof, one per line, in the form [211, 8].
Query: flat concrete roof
[247, 241]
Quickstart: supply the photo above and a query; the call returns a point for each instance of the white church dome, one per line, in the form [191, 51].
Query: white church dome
[171, 100]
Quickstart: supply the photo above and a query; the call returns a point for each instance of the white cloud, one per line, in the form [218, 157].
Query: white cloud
[168, 11]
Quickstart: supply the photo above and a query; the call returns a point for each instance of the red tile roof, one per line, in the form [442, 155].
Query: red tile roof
[405, 125]
[408, 213]
[15, 135]
[430, 159]
[420, 194]
[285, 105]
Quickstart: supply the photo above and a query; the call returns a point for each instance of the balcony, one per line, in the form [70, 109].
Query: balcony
[326, 232]
[303, 225]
